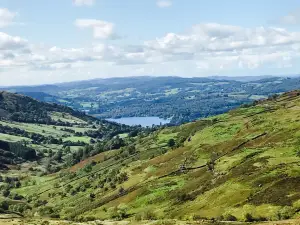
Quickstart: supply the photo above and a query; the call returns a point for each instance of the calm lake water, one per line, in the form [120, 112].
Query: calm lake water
[143, 121]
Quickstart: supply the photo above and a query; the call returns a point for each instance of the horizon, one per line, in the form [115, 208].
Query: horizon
[154, 76]
[66, 41]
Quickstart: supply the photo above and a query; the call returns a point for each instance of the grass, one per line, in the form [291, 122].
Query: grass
[259, 176]
[90, 105]
[132, 222]
[65, 117]
[258, 97]
[173, 91]
[12, 138]
[165, 137]
[123, 135]
[76, 139]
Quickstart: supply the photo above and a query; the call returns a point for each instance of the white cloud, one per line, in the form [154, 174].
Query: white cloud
[6, 17]
[8, 42]
[101, 29]
[83, 2]
[292, 18]
[228, 47]
[212, 37]
[164, 3]
[207, 48]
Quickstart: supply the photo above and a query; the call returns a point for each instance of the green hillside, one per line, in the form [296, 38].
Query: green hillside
[39, 139]
[242, 165]
[21, 108]
[47, 129]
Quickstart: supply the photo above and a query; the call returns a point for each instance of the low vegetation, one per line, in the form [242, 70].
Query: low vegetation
[242, 166]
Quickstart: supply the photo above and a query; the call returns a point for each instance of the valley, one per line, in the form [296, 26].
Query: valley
[182, 99]
[241, 166]
[157, 112]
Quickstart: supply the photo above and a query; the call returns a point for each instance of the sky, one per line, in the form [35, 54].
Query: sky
[51, 41]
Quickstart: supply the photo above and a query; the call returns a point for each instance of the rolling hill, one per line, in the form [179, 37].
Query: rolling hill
[35, 131]
[239, 166]
[25, 109]
[182, 99]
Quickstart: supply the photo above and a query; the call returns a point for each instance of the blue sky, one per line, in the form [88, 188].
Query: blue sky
[45, 41]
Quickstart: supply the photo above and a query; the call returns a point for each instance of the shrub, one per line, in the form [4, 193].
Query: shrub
[4, 205]
[149, 215]
[19, 207]
[45, 222]
[16, 196]
[198, 217]
[137, 217]
[6, 193]
[171, 143]
[183, 197]
[48, 211]
[229, 217]
[249, 218]
[286, 213]
[118, 213]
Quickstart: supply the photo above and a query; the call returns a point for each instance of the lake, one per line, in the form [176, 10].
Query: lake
[143, 121]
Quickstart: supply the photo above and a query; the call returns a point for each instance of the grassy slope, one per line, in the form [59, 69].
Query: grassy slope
[77, 122]
[256, 170]
[164, 222]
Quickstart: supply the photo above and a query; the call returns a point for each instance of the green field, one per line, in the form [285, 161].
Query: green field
[12, 138]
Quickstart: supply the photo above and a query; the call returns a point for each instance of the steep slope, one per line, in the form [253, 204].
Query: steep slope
[25, 109]
[242, 165]
[33, 130]
[41, 96]
[14, 153]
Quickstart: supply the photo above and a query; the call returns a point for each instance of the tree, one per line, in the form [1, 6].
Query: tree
[47, 164]
[92, 196]
[119, 212]
[67, 149]
[58, 155]
[4, 205]
[18, 184]
[249, 217]
[171, 143]
[133, 133]
[229, 217]
[6, 193]
[88, 168]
